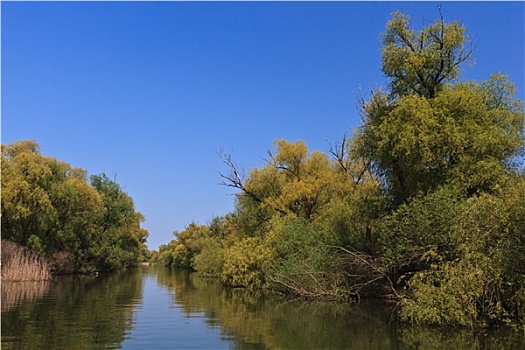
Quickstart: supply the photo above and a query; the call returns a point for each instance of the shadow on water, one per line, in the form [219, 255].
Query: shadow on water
[252, 320]
[73, 312]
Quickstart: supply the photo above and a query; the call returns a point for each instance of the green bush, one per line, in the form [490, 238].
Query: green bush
[420, 233]
[305, 264]
[246, 263]
[483, 285]
[210, 261]
[462, 293]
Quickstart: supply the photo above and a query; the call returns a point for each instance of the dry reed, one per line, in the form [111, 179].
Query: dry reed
[21, 264]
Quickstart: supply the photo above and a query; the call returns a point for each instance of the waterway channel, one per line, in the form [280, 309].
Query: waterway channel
[160, 308]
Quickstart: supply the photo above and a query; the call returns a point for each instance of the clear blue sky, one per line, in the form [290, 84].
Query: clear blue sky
[151, 92]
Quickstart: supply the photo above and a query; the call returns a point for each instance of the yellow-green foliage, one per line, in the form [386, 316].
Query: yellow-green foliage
[51, 208]
[421, 232]
[294, 182]
[429, 129]
[181, 252]
[165, 254]
[483, 283]
[210, 260]
[445, 152]
[246, 263]
[306, 263]
[424, 203]
[420, 62]
[454, 293]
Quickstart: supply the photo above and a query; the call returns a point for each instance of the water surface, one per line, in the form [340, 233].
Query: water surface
[160, 308]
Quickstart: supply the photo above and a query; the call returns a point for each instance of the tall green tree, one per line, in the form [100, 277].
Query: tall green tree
[444, 148]
[50, 207]
[28, 213]
[121, 240]
[421, 62]
[429, 128]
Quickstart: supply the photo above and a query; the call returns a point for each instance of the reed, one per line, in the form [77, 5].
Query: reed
[21, 264]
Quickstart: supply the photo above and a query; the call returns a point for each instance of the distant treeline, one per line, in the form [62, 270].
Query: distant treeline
[424, 205]
[74, 224]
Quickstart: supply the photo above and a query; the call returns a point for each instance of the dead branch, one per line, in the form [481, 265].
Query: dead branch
[375, 272]
[234, 179]
[339, 151]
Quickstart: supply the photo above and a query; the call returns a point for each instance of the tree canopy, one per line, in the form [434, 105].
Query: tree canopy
[422, 62]
[429, 128]
[50, 207]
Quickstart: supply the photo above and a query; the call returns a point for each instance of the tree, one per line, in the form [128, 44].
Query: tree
[423, 205]
[120, 241]
[50, 207]
[422, 62]
[430, 129]
[293, 182]
[27, 210]
[443, 149]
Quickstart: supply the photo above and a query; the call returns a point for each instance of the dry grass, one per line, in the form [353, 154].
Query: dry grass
[21, 264]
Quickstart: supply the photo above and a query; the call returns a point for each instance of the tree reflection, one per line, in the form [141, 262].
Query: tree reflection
[253, 320]
[75, 312]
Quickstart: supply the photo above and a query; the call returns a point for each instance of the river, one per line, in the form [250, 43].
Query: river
[161, 308]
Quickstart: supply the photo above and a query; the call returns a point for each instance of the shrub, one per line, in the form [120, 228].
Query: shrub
[246, 263]
[459, 293]
[210, 261]
[420, 233]
[305, 265]
[483, 285]
[62, 263]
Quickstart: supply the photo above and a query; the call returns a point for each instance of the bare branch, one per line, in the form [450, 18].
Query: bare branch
[368, 262]
[339, 150]
[235, 179]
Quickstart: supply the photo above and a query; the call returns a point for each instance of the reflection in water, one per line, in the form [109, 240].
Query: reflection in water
[432, 339]
[76, 312]
[16, 293]
[254, 321]
[159, 308]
